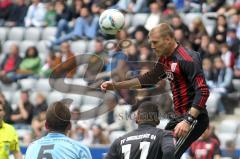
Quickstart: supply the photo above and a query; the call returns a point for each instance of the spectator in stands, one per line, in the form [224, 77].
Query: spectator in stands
[203, 50]
[179, 35]
[230, 151]
[140, 35]
[122, 35]
[7, 107]
[39, 115]
[237, 69]
[145, 53]
[222, 76]
[234, 21]
[82, 133]
[137, 6]
[96, 62]
[213, 134]
[99, 138]
[85, 27]
[215, 5]
[115, 118]
[38, 127]
[163, 4]
[50, 17]
[213, 51]
[116, 67]
[96, 9]
[179, 5]
[51, 62]
[227, 56]
[238, 26]
[10, 64]
[41, 104]
[192, 6]
[67, 57]
[220, 29]
[22, 116]
[169, 13]
[5, 7]
[222, 83]
[233, 42]
[197, 29]
[30, 64]
[9, 138]
[154, 17]
[76, 8]
[17, 14]
[63, 16]
[133, 57]
[177, 23]
[207, 70]
[122, 5]
[206, 147]
[35, 14]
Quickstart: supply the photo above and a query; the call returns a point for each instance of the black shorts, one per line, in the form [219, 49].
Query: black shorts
[197, 130]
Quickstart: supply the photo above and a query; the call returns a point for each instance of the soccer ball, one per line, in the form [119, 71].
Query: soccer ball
[111, 21]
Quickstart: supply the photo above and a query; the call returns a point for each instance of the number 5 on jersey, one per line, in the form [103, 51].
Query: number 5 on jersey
[43, 154]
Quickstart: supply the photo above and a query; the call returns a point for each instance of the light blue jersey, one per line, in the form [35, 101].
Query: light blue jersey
[57, 146]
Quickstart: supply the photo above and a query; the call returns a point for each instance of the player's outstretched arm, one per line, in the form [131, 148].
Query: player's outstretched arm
[129, 84]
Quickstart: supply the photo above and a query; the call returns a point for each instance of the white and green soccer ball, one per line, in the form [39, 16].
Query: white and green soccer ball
[111, 21]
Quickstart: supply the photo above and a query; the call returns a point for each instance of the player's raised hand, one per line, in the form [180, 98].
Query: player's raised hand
[108, 85]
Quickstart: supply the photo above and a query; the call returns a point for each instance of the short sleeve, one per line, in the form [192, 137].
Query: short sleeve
[84, 153]
[113, 151]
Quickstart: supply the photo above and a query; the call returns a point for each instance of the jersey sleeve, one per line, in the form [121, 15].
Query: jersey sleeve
[193, 71]
[84, 153]
[168, 145]
[113, 151]
[152, 77]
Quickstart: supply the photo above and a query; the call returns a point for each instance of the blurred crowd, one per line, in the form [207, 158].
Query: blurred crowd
[127, 56]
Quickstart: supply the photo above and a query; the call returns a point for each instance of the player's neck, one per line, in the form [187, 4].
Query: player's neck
[146, 124]
[172, 50]
[58, 132]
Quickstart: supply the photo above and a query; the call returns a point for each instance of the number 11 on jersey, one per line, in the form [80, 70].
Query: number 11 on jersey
[144, 146]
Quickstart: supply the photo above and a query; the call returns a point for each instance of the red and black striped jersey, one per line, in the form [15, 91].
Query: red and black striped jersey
[204, 149]
[184, 71]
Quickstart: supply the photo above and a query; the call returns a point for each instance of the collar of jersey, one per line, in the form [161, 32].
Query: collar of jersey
[175, 51]
[144, 125]
[55, 135]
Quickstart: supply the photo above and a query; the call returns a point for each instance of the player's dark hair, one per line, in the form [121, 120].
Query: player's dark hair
[58, 117]
[148, 113]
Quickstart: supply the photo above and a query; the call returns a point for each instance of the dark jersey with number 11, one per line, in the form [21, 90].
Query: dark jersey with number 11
[146, 142]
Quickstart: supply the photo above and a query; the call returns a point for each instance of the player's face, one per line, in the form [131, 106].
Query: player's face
[158, 44]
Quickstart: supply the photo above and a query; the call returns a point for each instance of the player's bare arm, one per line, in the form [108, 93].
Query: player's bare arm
[128, 84]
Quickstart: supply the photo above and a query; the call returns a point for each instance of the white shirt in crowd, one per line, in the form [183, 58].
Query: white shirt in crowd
[35, 15]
